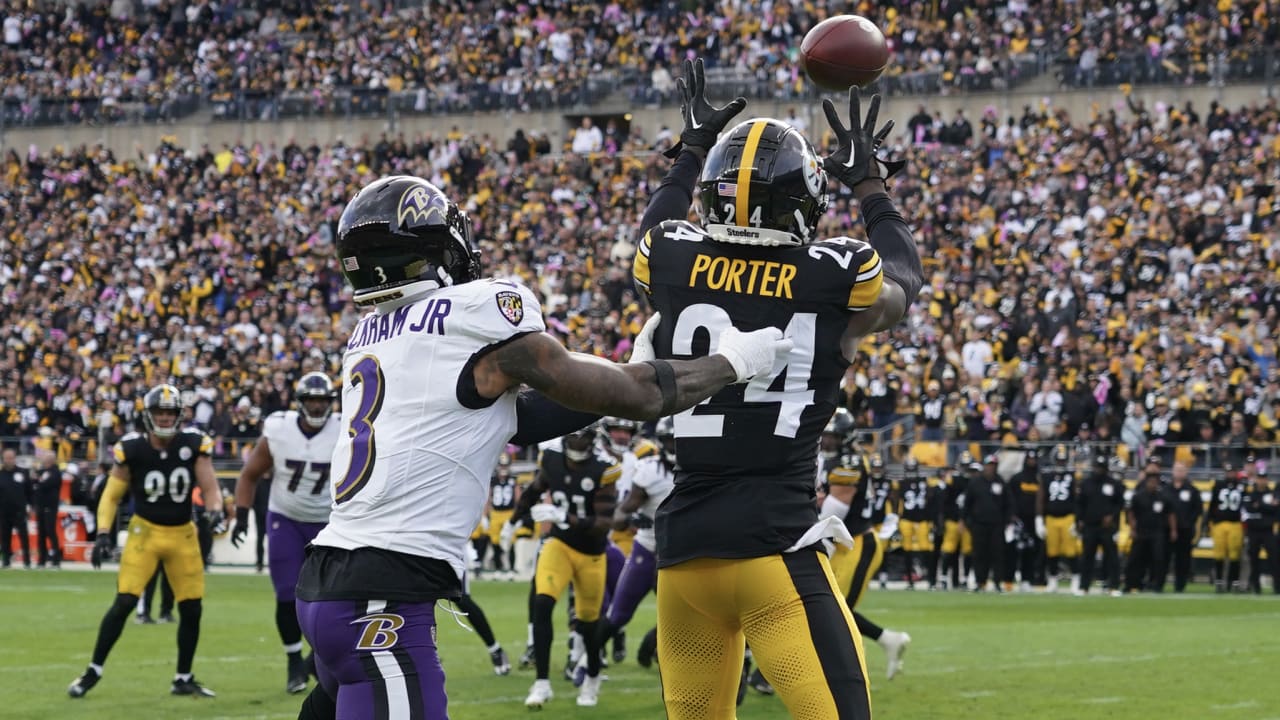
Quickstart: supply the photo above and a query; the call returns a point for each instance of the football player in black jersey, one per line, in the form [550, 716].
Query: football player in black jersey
[918, 509]
[1225, 528]
[740, 544]
[957, 541]
[161, 468]
[1056, 518]
[581, 485]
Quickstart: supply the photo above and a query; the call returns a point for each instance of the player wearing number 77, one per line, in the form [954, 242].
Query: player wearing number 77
[160, 467]
[742, 549]
[296, 447]
[431, 390]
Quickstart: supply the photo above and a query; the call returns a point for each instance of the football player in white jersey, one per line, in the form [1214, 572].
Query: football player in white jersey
[431, 393]
[296, 447]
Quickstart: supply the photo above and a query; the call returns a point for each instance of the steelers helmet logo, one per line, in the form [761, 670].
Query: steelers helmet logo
[588, 484]
[184, 454]
[812, 172]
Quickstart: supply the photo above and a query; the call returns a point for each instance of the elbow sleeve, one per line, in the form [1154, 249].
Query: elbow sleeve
[890, 235]
[674, 195]
[540, 418]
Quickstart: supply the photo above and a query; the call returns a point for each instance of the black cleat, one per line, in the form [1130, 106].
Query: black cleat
[165, 618]
[84, 683]
[648, 648]
[526, 660]
[141, 619]
[309, 664]
[297, 675]
[192, 688]
[759, 684]
[501, 666]
[619, 646]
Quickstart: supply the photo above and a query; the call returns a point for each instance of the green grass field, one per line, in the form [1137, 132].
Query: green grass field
[1022, 656]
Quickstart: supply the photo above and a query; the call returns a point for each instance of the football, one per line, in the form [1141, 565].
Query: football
[844, 51]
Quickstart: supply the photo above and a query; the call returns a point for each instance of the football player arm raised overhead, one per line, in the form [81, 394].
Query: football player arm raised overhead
[854, 163]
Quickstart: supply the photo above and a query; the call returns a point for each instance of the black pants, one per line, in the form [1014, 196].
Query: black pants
[988, 552]
[1180, 557]
[47, 535]
[1093, 537]
[1145, 562]
[1260, 539]
[1031, 561]
[14, 521]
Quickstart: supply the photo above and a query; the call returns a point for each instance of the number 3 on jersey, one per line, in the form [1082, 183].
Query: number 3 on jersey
[795, 394]
[367, 375]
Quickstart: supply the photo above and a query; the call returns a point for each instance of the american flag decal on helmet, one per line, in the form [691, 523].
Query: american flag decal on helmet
[351, 264]
[727, 189]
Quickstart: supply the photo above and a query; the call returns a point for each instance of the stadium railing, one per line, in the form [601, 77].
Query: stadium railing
[1250, 64]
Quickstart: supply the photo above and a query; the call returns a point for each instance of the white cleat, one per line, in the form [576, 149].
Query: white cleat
[589, 694]
[895, 646]
[1075, 583]
[540, 694]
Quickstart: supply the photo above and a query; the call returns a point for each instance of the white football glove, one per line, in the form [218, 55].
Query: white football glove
[507, 535]
[1040, 530]
[642, 346]
[752, 353]
[889, 527]
[484, 523]
[1010, 533]
[546, 512]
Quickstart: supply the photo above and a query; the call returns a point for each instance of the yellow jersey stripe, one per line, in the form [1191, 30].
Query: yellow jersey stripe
[843, 476]
[611, 476]
[118, 452]
[867, 284]
[640, 264]
[742, 212]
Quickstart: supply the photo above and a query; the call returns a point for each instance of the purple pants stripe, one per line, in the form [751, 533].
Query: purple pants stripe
[286, 549]
[377, 659]
[637, 579]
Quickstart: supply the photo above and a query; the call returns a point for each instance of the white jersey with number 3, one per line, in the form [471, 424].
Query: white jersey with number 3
[411, 468]
[300, 460]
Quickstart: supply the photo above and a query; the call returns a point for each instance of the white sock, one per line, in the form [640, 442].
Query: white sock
[184, 677]
[95, 668]
[293, 648]
[495, 647]
[530, 640]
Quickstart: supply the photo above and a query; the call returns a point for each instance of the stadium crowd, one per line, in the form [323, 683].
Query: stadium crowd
[158, 59]
[1114, 277]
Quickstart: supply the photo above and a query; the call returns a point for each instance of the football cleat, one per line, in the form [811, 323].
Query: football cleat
[141, 619]
[297, 675]
[648, 649]
[540, 694]
[83, 684]
[620, 646]
[526, 660]
[191, 687]
[589, 694]
[165, 618]
[895, 646]
[501, 666]
[759, 684]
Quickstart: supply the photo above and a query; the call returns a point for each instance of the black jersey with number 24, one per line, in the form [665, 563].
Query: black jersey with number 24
[746, 457]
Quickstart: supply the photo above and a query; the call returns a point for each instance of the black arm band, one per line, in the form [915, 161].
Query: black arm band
[539, 418]
[666, 378]
[891, 237]
[674, 195]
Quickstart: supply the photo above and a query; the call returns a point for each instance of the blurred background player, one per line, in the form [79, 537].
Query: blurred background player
[1028, 559]
[468, 607]
[160, 467]
[504, 492]
[621, 443]
[1056, 519]
[957, 541]
[296, 448]
[1260, 511]
[1098, 506]
[1188, 508]
[1151, 523]
[580, 485]
[1225, 528]
[988, 514]
[919, 505]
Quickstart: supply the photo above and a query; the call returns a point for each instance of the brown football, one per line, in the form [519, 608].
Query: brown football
[843, 51]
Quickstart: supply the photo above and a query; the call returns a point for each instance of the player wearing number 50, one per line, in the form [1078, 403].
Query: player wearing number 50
[431, 394]
[160, 468]
[741, 549]
[296, 447]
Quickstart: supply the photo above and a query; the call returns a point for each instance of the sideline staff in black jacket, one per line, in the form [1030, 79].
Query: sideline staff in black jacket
[1100, 501]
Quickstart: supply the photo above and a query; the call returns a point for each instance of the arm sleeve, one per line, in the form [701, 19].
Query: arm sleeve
[540, 418]
[674, 195]
[110, 503]
[889, 234]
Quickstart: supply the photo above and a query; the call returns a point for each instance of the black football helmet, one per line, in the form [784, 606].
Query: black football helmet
[162, 397]
[579, 445]
[609, 425]
[664, 433]
[400, 235]
[762, 184]
[876, 465]
[910, 468]
[835, 434]
[311, 387]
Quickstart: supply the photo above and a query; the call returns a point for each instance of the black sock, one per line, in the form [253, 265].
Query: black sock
[112, 625]
[593, 641]
[166, 595]
[318, 705]
[543, 634]
[866, 627]
[497, 557]
[189, 612]
[287, 623]
[1233, 572]
[477, 619]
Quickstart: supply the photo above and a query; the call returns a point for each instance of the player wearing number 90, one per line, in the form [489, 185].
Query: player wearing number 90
[740, 544]
[296, 447]
[431, 394]
[161, 468]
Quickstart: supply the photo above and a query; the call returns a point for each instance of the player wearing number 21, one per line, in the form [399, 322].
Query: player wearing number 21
[296, 447]
[160, 468]
[431, 391]
[741, 545]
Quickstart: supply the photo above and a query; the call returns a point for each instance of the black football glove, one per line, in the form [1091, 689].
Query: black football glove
[101, 550]
[702, 122]
[241, 528]
[216, 521]
[855, 159]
